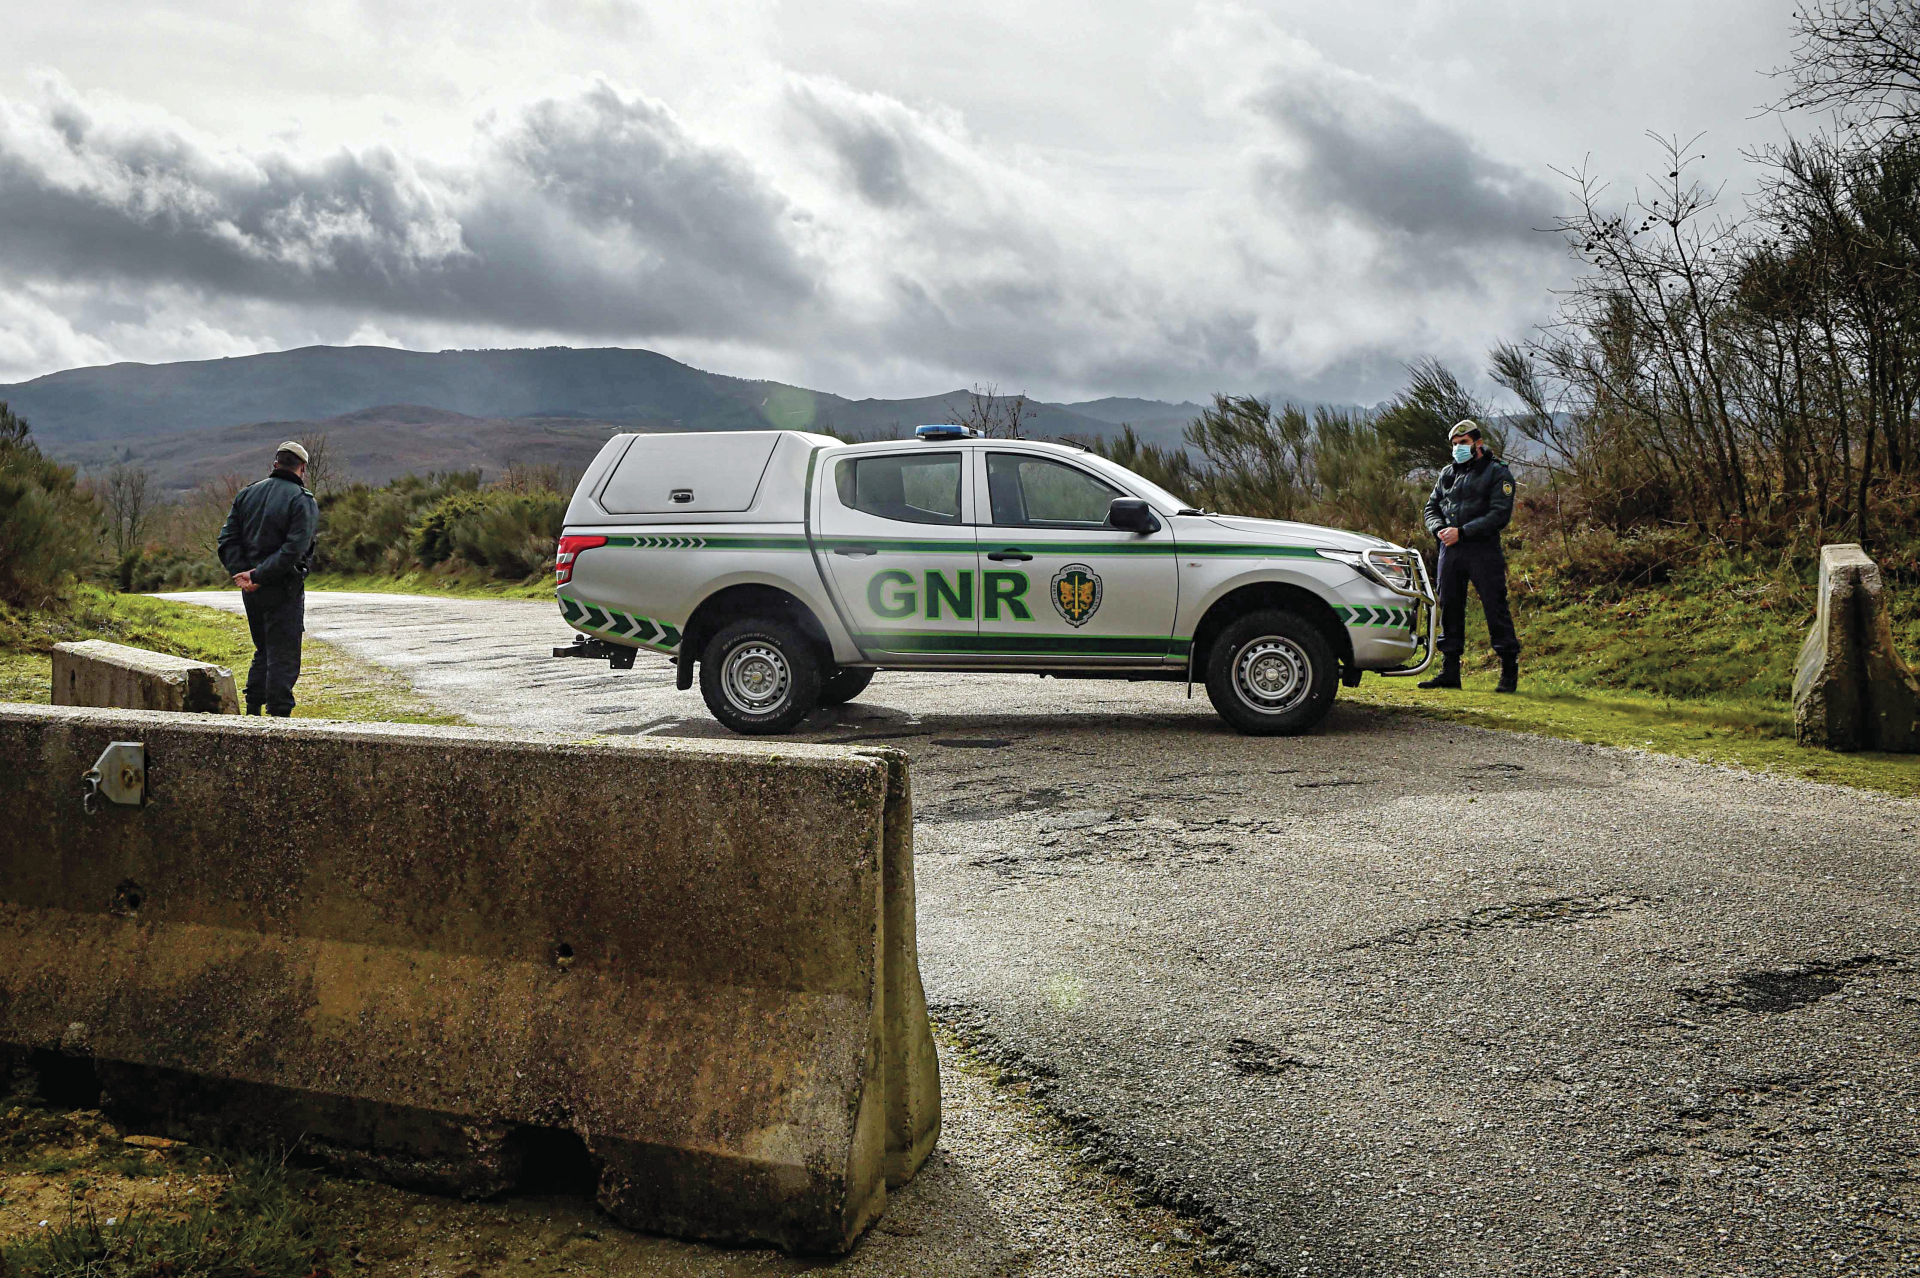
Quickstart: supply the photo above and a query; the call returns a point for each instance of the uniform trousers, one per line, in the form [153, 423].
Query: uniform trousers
[277, 617]
[1484, 566]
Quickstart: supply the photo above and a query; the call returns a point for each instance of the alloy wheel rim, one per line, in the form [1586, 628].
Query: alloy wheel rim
[1272, 674]
[755, 678]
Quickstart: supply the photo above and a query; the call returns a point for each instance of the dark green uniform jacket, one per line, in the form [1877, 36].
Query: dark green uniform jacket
[1476, 497]
[270, 530]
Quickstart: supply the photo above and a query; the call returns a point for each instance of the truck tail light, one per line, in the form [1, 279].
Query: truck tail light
[570, 548]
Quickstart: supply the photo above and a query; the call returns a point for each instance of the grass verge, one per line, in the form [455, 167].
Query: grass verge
[1741, 734]
[1699, 665]
[332, 684]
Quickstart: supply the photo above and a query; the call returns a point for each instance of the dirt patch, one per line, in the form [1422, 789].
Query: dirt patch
[58, 1166]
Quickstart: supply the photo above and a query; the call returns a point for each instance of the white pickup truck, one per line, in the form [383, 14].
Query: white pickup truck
[790, 567]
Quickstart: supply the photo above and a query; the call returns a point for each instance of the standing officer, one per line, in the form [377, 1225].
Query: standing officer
[1472, 501]
[266, 543]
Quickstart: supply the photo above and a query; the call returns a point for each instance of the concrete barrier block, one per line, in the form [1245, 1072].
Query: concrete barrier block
[1851, 690]
[913, 1070]
[112, 676]
[442, 954]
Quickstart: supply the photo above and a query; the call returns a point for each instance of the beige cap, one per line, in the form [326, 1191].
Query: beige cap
[293, 446]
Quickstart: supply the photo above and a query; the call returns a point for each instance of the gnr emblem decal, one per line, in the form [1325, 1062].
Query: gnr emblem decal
[1076, 594]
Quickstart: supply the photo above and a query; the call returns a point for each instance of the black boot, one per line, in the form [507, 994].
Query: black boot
[1509, 675]
[1449, 676]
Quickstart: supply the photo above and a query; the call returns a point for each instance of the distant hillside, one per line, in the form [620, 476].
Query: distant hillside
[373, 445]
[1144, 415]
[188, 417]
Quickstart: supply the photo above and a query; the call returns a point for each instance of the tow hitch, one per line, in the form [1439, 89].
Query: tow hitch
[618, 655]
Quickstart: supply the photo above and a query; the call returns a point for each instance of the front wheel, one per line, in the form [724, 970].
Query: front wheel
[760, 676]
[1272, 674]
[843, 686]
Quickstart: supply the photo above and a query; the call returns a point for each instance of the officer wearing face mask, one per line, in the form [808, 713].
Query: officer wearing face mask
[1472, 501]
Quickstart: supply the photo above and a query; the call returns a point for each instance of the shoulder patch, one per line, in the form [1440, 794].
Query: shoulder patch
[1507, 488]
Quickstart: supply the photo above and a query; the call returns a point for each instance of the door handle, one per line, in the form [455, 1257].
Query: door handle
[854, 551]
[1011, 552]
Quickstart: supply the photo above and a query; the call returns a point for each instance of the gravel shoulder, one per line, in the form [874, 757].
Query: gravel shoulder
[1401, 997]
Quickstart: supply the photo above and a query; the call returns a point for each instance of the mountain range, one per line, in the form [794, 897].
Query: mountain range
[386, 412]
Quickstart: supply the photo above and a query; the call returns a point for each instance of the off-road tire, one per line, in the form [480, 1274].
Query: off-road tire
[843, 686]
[760, 676]
[1272, 674]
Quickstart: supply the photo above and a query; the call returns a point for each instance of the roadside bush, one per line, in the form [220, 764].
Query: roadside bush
[510, 533]
[1244, 456]
[1362, 482]
[166, 568]
[48, 527]
[370, 530]
[1599, 558]
[1170, 468]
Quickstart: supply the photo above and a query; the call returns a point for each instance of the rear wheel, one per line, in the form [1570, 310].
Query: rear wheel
[843, 686]
[760, 676]
[1272, 674]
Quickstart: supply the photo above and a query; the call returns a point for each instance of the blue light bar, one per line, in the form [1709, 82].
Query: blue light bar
[943, 430]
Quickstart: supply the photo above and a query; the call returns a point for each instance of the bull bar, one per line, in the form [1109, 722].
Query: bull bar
[1421, 594]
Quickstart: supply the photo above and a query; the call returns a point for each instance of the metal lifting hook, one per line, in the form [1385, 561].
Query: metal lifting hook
[119, 776]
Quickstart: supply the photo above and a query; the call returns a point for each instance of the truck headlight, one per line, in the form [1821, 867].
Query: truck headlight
[1396, 566]
[1392, 568]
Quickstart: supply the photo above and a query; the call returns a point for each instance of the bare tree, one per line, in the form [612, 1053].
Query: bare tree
[1644, 337]
[1860, 58]
[203, 512]
[126, 496]
[992, 414]
[324, 471]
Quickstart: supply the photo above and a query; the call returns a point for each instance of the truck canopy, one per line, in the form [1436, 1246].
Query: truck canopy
[754, 476]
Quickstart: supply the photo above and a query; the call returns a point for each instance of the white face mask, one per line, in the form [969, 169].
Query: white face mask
[1463, 453]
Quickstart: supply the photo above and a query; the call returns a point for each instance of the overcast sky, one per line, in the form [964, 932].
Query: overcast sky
[874, 197]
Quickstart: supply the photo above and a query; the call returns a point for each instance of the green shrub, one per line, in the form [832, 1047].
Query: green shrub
[510, 533]
[166, 568]
[48, 528]
[367, 530]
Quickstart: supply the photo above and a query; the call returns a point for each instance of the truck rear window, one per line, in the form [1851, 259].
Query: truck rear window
[920, 489]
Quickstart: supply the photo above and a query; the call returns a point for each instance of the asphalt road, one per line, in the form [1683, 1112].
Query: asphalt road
[1401, 997]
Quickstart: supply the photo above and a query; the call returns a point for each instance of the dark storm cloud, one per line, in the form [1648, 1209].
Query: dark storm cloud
[596, 214]
[871, 144]
[1390, 166]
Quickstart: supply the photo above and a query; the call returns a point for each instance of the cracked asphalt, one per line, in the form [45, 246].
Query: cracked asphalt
[1401, 997]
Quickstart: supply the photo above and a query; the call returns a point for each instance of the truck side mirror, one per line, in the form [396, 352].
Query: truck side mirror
[1130, 514]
